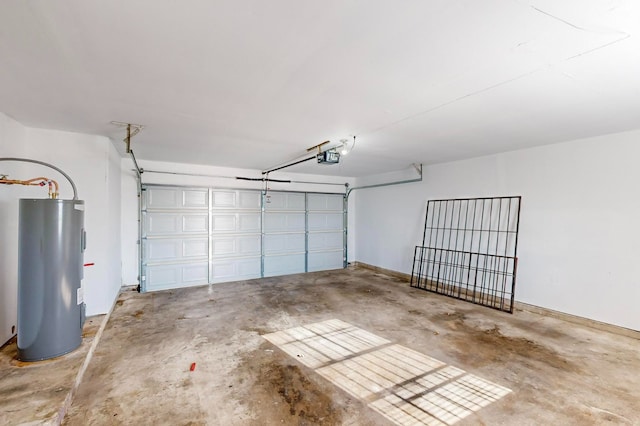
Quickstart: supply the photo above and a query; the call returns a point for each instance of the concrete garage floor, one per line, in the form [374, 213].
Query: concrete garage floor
[40, 392]
[558, 372]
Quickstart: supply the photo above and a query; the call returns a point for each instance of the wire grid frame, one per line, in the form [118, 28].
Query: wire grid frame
[469, 250]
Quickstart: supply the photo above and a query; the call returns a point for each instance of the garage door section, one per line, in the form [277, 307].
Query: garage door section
[195, 236]
[175, 237]
[326, 232]
[235, 235]
[284, 233]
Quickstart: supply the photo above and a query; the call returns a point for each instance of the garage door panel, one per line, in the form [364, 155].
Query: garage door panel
[323, 261]
[325, 221]
[285, 201]
[195, 223]
[236, 245]
[250, 245]
[176, 249]
[285, 233]
[196, 273]
[175, 237]
[162, 198]
[249, 200]
[195, 199]
[163, 276]
[284, 222]
[284, 264]
[176, 198]
[284, 243]
[326, 241]
[162, 250]
[224, 223]
[223, 199]
[225, 270]
[235, 222]
[249, 222]
[195, 248]
[229, 199]
[161, 223]
[325, 202]
[224, 246]
[176, 275]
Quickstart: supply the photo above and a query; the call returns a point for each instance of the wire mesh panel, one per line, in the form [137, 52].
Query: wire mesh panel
[469, 250]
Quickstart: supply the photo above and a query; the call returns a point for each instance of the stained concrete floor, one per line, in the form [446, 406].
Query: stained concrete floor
[40, 392]
[559, 372]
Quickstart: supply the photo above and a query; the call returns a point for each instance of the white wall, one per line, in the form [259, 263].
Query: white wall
[226, 179]
[578, 246]
[12, 139]
[579, 228]
[94, 165]
[113, 229]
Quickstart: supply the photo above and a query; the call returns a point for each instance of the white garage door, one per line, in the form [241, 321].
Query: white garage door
[175, 238]
[326, 237]
[235, 235]
[284, 233]
[195, 236]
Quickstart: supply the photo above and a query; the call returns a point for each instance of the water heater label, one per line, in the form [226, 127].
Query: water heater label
[80, 296]
[78, 207]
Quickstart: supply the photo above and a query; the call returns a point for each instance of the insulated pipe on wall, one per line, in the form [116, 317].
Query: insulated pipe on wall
[28, 160]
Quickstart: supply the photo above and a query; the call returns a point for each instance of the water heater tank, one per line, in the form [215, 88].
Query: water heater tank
[50, 262]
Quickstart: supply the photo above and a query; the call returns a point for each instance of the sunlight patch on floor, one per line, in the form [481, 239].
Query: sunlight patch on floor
[405, 386]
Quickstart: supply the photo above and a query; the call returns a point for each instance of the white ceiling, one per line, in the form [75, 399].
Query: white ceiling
[253, 83]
